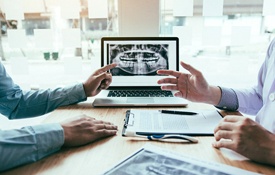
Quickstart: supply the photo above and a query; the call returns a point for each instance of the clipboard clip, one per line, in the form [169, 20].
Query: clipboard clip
[128, 116]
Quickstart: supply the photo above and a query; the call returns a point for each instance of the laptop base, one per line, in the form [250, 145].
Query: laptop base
[139, 101]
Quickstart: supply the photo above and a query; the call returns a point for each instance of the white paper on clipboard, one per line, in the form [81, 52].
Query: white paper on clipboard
[154, 122]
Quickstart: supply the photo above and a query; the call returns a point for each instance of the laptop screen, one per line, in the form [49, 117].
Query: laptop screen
[139, 58]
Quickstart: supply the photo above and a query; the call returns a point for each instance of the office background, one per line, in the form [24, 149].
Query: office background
[50, 43]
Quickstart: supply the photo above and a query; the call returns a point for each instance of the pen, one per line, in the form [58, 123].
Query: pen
[177, 112]
[163, 137]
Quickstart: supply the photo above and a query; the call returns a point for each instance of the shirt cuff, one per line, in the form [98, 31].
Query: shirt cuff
[50, 138]
[229, 100]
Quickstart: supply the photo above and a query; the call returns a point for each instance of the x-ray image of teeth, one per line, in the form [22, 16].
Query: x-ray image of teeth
[138, 59]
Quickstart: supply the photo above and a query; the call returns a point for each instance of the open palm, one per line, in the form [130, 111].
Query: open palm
[191, 86]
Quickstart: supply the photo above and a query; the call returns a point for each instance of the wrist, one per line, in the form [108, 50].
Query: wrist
[66, 134]
[85, 89]
[214, 95]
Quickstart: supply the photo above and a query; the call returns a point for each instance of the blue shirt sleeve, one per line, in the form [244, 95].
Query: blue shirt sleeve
[32, 143]
[229, 100]
[29, 144]
[16, 103]
[35, 103]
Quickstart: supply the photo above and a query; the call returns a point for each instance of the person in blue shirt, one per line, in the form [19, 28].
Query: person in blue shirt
[31, 143]
[253, 139]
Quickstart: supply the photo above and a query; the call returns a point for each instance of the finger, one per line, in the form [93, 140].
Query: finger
[169, 72]
[169, 87]
[105, 83]
[104, 86]
[106, 126]
[224, 144]
[105, 133]
[223, 134]
[224, 126]
[190, 68]
[231, 118]
[104, 76]
[106, 68]
[167, 81]
[179, 94]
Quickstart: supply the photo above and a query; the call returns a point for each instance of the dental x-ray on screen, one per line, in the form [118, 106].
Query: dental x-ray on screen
[138, 59]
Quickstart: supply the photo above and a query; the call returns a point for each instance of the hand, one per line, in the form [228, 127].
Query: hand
[245, 136]
[99, 80]
[83, 129]
[191, 86]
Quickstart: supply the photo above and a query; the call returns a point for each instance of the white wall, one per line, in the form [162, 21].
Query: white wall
[138, 17]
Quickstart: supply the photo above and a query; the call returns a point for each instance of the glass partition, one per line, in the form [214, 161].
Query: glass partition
[59, 41]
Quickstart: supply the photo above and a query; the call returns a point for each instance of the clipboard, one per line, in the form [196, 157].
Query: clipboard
[149, 122]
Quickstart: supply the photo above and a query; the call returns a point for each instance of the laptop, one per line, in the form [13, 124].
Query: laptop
[134, 80]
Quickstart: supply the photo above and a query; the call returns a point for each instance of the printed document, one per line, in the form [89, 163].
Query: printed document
[155, 160]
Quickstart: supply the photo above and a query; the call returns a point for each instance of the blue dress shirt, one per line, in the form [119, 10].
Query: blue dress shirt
[258, 100]
[29, 144]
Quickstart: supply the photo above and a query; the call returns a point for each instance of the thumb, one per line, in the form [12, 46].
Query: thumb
[190, 68]
[104, 79]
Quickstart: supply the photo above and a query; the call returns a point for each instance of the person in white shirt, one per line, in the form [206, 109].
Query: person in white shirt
[253, 139]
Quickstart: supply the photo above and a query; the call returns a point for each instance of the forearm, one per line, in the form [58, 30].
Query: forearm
[29, 144]
[35, 103]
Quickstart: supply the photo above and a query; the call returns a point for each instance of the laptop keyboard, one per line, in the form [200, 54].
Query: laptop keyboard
[139, 93]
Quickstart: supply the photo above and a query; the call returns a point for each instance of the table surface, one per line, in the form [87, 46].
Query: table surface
[99, 156]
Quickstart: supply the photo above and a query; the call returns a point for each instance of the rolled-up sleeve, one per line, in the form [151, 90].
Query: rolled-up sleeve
[229, 100]
[29, 144]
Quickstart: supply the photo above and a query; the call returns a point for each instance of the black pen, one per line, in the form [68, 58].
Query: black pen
[178, 112]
